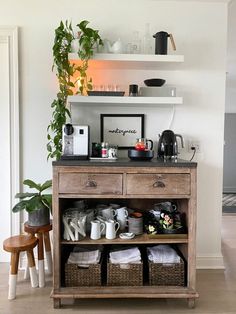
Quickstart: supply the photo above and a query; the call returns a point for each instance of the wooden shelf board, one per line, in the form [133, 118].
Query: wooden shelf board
[125, 292]
[140, 239]
[125, 100]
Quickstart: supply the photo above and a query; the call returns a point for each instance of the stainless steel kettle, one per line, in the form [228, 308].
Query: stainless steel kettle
[168, 145]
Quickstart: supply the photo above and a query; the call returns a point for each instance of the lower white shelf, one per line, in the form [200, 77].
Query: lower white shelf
[94, 100]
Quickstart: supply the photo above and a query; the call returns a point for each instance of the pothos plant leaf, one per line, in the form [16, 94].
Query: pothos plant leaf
[65, 70]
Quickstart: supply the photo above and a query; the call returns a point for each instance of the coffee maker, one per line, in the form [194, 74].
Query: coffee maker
[75, 141]
[168, 145]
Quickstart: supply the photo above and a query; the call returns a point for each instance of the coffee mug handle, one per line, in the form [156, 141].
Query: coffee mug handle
[126, 213]
[102, 227]
[118, 226]
[151, 144]
[114, 212]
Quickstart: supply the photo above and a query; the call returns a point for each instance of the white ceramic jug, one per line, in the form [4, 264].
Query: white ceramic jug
[115, 47]
[97, 228]
[111, 229]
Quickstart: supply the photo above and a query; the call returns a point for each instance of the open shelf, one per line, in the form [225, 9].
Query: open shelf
[123, 101]
[126, 292]
[141, 61]
[141, 239]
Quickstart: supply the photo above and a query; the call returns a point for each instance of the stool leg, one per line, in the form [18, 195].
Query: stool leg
[32, 269]
[48, 251]
[26, 274]
[41, 260]
[13, 276]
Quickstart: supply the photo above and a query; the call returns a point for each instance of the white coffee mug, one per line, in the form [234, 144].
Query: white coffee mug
[108, 213]
[97, 228]
[111, 229]
[121, 216]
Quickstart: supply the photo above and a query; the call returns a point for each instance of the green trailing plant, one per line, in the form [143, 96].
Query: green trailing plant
[88, 40]
[65, 71]
[36, 200]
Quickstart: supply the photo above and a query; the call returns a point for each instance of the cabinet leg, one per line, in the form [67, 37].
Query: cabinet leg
[191, 303]
[56, 303]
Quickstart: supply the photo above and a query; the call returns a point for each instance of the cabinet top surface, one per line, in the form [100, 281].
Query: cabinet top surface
[125, 162]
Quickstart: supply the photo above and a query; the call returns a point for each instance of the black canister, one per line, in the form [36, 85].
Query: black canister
[133, 90]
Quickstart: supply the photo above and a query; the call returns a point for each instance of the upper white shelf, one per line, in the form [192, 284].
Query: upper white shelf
[133, 60]
[122, 101]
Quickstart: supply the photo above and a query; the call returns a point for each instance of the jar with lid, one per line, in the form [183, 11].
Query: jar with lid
[104, 150]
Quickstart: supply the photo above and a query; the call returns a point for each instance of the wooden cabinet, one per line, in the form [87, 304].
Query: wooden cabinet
[140, 184]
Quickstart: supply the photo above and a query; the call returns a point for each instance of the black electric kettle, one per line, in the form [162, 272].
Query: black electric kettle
[161, 42]
[167, 144]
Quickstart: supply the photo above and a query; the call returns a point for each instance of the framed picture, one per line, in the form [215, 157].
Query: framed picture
[122, 129]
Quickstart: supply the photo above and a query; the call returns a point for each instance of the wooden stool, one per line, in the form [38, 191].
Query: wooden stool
[42, 233]
[15, 245]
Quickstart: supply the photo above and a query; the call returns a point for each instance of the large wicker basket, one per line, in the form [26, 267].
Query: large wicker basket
[166, 274]
[124, 274]
[76, 276]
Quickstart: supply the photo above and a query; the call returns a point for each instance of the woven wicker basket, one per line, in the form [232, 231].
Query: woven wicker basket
[124, 274]
[76, 276]
[166, 274]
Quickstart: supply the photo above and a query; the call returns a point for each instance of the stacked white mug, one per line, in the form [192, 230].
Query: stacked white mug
[121, 217]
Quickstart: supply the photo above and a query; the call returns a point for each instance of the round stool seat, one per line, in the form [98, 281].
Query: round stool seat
[37, 229]
[19, 243]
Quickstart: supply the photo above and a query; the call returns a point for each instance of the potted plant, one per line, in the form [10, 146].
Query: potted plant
[65, 70]
[37, 204]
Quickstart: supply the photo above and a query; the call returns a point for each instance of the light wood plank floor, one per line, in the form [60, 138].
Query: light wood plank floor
[217, 291]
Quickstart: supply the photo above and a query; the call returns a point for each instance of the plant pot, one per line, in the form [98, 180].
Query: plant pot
[39, 217]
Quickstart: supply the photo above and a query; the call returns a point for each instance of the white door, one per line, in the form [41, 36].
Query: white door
[9, 134]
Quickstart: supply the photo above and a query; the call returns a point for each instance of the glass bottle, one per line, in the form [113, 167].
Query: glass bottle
[136, 43]
[147, 40]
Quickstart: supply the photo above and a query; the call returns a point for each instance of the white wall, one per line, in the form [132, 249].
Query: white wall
[200, 33]
[230, 103]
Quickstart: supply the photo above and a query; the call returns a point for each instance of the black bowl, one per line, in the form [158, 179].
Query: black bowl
[134, 154]
[154, 82]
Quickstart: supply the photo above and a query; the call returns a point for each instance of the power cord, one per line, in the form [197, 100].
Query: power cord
[194, 152]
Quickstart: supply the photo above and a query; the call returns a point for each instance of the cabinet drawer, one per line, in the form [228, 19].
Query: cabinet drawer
[86, 183]
[158, 184]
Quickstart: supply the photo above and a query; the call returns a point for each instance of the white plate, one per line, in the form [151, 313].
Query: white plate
[127, 235]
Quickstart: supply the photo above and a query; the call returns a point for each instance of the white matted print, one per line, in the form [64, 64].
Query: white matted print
[122, 129]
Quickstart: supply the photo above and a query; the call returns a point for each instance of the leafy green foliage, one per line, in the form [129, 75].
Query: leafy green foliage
[34, 201]
[65, 71]
[88, 39]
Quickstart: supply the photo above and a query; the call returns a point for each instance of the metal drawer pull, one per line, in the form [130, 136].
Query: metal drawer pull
[159, 184]
[91, 184]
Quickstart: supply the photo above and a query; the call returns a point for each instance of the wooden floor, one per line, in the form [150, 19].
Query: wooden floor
[217, 291]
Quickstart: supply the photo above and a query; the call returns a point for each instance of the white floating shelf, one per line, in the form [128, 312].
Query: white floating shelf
[122, 101]
[133, 60]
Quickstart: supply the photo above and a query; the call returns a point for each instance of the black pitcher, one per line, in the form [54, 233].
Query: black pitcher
[161, 42]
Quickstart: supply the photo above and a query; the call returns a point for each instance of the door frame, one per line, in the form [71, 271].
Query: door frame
[10, 35]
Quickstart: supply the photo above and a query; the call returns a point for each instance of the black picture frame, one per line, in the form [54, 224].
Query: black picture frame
[114, 129]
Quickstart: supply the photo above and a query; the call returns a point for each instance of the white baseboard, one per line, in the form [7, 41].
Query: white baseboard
[210, 262]
[229, 189]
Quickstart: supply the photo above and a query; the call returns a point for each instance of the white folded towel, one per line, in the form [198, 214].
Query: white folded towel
[126, 256]
[162, 254]
[84, 258]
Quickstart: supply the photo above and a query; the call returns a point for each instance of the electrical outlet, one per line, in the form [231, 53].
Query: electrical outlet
[196, 144]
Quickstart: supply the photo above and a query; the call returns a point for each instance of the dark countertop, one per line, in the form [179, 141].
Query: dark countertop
[125, 162]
